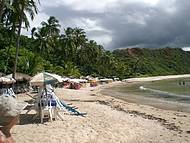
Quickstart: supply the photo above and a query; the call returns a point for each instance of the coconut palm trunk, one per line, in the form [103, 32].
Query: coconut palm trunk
[2, 3]
[22, 7]
[18, 43]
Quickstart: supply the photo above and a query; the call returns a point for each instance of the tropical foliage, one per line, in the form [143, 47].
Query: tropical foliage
[69, 52]
[163, 61]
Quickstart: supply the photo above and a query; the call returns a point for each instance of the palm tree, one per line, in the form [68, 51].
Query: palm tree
[41, 43]
[47, 36]
[73, 40]
[21, 8]
[2, 3]
[52, 26]
[88, 56]
[32, 32]
[67, 45]
[5, 7]
[80, 37]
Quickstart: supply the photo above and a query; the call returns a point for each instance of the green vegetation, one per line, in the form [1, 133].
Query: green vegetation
[71, 53]
[152, 62]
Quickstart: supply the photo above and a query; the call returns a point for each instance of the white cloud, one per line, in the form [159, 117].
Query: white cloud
[92, 5]
[88, 24]
[93, 30]
[35, 23]
[51, 3]
[103, 40]
[151, 2]
[89, 5]
[186, 48]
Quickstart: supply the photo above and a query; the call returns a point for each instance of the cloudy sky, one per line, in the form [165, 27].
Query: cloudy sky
[123, 23]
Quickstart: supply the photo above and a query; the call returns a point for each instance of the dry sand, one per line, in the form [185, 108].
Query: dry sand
[108, 120]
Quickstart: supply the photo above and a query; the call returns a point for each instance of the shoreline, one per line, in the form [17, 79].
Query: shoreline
[167, 117]
[108, 120]
[155, 78]
[153, 102]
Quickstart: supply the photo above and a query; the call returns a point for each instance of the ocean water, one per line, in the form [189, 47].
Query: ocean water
[167, 94]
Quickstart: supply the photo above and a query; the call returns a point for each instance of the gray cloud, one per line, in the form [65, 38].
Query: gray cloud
[128, 24]
[152, 26]
[64, 13]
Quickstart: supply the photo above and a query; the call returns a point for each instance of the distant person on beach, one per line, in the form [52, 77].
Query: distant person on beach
[9, 113]
[182, 83]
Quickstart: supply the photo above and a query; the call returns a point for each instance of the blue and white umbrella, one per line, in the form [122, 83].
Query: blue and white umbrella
[45, 78]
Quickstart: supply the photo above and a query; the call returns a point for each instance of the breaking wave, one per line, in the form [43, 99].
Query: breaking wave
[164, 93]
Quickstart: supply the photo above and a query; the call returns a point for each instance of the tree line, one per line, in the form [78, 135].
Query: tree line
[70, 52]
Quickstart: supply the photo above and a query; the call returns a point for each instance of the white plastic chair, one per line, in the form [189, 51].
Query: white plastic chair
[46, 108]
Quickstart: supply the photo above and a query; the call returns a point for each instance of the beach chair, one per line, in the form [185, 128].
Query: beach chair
[47, 107]
[50, 105]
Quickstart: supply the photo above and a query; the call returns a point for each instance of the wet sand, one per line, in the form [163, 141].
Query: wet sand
[144, 100]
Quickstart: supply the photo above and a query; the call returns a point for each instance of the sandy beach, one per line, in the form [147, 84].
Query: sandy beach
[108, 120]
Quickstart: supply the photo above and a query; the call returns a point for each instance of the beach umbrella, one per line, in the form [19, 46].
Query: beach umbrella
[45, 78]
[6, 80]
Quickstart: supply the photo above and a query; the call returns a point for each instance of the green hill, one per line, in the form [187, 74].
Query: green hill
[163, 61]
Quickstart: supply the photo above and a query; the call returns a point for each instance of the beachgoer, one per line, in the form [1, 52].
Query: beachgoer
[9, 113]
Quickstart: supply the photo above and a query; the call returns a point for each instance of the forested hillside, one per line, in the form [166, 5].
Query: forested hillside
[68, 51]
[163, 61]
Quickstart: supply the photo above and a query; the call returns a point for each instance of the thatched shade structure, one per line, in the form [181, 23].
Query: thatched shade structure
[22, 82]
[5, 80]
[20, 77]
